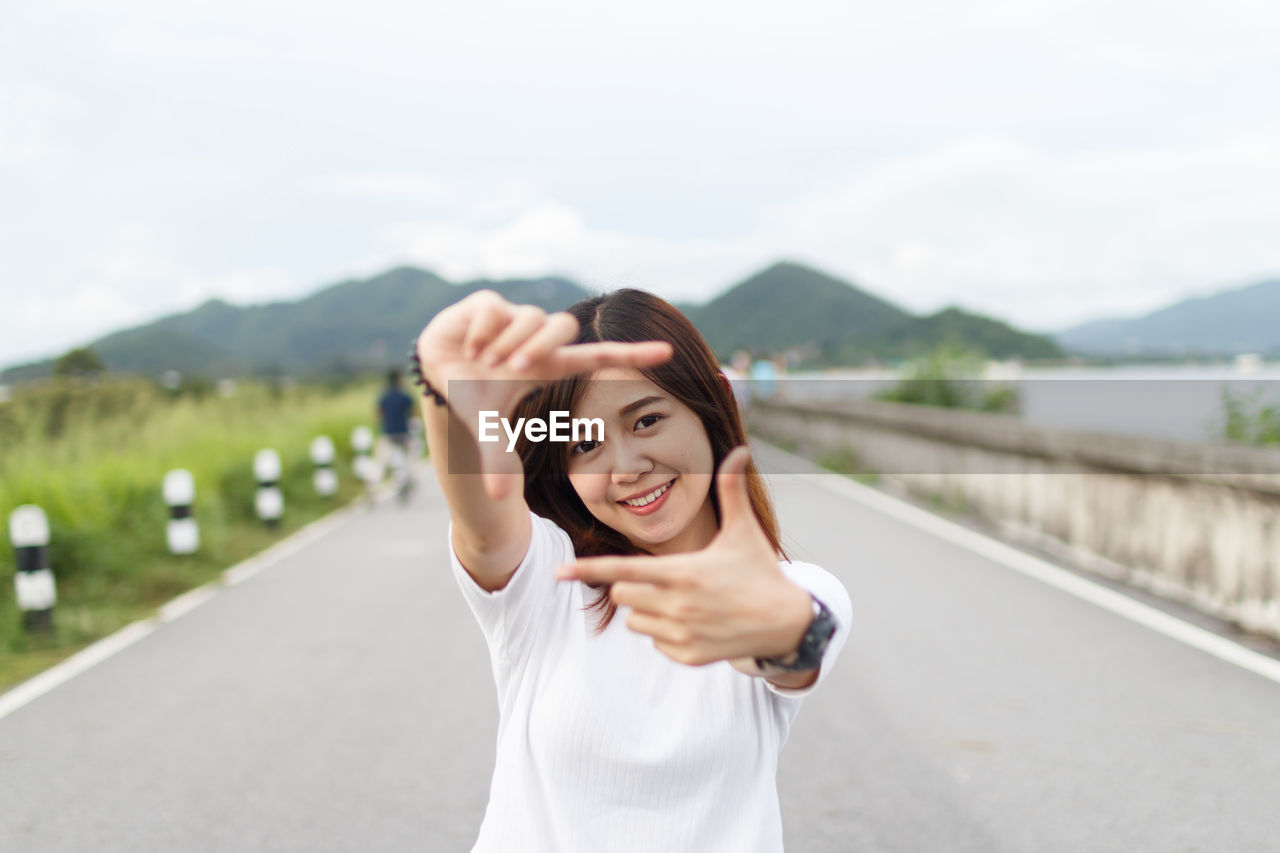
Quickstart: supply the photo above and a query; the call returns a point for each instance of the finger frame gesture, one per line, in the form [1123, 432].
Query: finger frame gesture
[726, 601]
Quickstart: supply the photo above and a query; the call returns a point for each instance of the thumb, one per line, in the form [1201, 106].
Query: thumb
[731, 488]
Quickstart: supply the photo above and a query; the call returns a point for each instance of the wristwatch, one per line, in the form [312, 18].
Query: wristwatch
[812, 647]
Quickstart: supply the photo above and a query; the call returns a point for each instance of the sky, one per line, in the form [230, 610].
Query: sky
[1047, 163]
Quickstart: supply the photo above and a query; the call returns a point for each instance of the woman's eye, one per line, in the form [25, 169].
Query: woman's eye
[584, 447]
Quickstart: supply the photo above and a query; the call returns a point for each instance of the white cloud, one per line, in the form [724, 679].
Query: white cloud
[993, 224]
[90, 308]
[484, 196]
[1043, 162]
[1040, 238]
[246, 286]
[133, 257]
[134, 279]
[1046, 239]
[29, 113]
[552, 238]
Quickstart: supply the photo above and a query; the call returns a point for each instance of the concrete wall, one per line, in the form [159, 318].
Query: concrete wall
[1195, 522]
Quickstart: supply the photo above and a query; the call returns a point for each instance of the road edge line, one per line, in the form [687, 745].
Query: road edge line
[25, 692]
[1042, 570]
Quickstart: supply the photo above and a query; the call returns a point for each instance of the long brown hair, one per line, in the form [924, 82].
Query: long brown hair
[692, 376]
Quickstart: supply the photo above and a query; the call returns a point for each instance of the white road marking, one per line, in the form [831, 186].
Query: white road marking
[68, 669]
[185, 603]
[59, 674]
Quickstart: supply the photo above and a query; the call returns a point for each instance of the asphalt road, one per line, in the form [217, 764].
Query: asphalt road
[341, 700]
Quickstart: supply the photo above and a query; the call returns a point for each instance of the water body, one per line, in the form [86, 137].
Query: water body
[1159, 401]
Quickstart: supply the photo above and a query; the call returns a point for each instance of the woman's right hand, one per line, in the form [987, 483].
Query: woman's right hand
[485, 337]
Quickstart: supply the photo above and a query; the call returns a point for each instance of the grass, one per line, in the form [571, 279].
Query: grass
[845, 461]
[1249, 419]
[953, 503]
[94, 456]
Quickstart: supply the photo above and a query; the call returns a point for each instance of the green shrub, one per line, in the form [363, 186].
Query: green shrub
[845, 461]
[93, 457]
[1247, 418]
[938, 379]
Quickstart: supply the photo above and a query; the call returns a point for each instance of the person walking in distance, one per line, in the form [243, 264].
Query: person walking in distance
[394, 409]
[650, 641]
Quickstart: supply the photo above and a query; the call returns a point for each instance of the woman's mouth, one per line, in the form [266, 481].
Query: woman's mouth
[650, 503]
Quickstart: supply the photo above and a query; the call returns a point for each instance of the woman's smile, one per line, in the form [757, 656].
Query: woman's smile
[649, 503]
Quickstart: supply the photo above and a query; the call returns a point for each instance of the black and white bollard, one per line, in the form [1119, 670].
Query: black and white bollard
[325, 478]
[33, 580]
[182, 533]
[362, 444]
[269, 502]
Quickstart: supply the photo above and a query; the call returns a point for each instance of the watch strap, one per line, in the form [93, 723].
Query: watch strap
[822, 627]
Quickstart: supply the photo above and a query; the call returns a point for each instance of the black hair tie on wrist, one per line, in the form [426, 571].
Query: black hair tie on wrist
[415, 367]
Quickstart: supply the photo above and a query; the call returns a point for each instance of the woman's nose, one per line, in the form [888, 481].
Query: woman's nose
[629, 464]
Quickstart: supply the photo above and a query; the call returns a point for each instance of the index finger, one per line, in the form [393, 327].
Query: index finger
[557, 330]
[659, 571]
[582, 358]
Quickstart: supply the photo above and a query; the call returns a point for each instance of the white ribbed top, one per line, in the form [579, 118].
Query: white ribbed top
[604, 743]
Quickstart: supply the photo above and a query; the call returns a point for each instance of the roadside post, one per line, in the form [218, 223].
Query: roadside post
[269, 501]
[183, 534]
[33, 580]
[325, 478]
[362, 444]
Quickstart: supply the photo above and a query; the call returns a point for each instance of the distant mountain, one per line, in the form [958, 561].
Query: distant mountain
[362, 325]
[990, 337]
[789, 305]
[351, 326]
[1226, 323]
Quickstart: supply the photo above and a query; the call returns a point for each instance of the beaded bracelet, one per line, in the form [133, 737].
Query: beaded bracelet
[415, 367]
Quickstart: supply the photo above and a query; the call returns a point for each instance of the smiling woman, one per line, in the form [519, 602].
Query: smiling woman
[660, 729]
[674, 421]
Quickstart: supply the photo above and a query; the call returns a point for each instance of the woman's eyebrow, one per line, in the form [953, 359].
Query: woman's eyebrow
[639, 404]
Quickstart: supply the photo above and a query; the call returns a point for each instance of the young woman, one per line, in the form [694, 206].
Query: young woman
[650, 649]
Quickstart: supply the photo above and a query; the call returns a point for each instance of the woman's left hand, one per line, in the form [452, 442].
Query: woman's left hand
[729, 601]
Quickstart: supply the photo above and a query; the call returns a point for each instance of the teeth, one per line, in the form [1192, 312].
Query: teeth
[649, 498]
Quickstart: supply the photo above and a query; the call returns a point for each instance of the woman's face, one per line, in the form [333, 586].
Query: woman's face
[652, 443]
